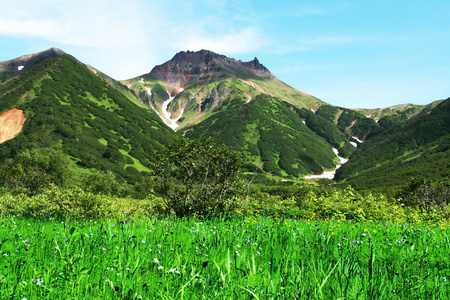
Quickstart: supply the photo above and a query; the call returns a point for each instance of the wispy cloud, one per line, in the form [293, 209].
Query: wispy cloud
[101, 24]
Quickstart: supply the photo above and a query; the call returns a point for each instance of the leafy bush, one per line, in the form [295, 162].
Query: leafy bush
[76, 203]
[198, 175]
[33, 170]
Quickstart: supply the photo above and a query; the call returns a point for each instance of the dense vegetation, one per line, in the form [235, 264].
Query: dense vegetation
[270, 136]
[70, 109]
[418, 147]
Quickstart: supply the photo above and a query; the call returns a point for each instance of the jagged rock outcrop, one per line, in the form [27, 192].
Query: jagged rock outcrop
[203, 66]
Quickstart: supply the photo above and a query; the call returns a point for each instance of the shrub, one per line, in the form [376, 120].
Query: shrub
[198, 175]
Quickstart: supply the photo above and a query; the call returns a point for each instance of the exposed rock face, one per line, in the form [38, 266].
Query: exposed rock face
[11, 124]
[200, 66]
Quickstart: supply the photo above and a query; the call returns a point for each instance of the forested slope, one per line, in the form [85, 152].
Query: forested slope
[71, 109]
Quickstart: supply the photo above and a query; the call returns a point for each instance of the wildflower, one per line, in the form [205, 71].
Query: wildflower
[192, 230]
[39, 281]
[143, 241]
[160, 268]
[239, 246]
[156, 261]
[444, 278]
[247, 240]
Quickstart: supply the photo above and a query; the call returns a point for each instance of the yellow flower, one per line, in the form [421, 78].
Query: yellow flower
[365, 230]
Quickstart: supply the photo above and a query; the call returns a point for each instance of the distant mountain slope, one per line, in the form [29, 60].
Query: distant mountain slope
[70, 108]
[391, 116]
[419, 147]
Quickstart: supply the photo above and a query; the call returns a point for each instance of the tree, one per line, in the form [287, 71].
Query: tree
[199, 176]
[36, 169]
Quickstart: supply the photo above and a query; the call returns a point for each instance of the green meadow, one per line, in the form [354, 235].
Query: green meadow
[242, 255]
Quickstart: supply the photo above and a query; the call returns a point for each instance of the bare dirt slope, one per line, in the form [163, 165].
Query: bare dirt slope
[11, 124]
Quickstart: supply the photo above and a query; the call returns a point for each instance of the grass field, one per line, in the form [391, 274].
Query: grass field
[245, 256]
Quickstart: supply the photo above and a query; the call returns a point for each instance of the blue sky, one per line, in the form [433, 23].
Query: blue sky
[354, 53]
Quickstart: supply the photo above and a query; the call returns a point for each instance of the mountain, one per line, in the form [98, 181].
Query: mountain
[68, 107]
[52, 100]
[193, 84]
[280, 130]
[418, 147]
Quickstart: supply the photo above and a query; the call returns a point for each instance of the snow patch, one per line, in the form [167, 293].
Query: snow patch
[249, 99]
[358, 140]
[354, 144]
[167, 116]
[313, 110]
[329, 174]
[142, 80]
[149, 90]
[304, 122]
[180, 90]
[20, 68]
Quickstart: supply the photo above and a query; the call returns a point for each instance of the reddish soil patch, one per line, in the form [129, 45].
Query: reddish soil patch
[11, 124]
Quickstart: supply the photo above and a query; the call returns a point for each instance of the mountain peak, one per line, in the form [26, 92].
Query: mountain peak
[190, 64]
[15, 67]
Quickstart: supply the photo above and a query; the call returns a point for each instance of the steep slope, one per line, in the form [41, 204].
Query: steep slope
[419, 147]
[70, 108]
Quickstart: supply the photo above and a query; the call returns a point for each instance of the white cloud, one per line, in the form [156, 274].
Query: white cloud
[246, 40]
[100, 24]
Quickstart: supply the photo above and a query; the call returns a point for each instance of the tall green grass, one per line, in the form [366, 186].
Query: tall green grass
[243, 256]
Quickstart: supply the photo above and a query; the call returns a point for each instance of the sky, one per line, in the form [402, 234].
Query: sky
[354, 53]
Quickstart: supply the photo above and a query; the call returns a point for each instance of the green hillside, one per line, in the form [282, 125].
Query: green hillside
[420, 147]
[271, 136]
[69, 108]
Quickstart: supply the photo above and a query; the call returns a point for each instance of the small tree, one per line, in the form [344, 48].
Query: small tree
[198, 175]
[36, 169]
[426, 194]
